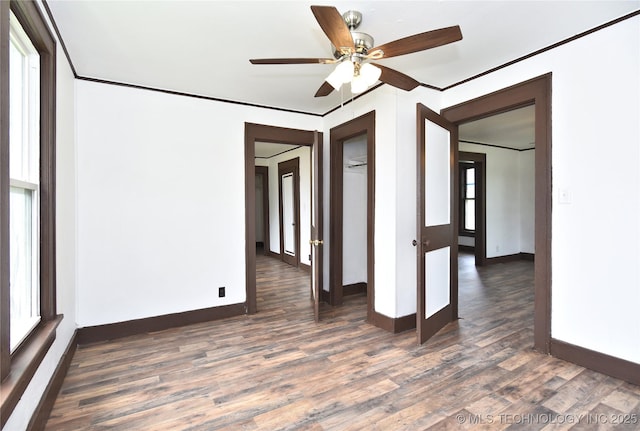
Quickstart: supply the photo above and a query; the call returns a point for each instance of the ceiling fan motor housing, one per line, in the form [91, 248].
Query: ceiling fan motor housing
[362, 41]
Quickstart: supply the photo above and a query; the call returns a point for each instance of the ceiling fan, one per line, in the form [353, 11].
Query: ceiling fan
[354, 52]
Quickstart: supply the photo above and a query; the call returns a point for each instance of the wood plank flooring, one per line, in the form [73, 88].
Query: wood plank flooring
[278, 370]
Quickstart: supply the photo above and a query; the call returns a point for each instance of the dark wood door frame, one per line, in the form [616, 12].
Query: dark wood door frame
[535, 92]
[364, 124]
[263, 133]
[290, 166]
[263, 171]
[480, 163]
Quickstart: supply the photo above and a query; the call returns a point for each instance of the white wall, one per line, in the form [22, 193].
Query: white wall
[354, 224]
[259, 209]
[66, 251]
[161, 201]
[467, 241]
[383, 102]
[526, 180]
[406, 189]
[596, 160]
[510, 199]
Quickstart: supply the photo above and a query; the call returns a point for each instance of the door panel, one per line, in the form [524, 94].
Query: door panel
[437, 193]
[436, 280]
[436, 248]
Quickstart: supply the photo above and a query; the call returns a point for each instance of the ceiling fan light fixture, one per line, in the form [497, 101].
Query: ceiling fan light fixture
[370, 73]
[358, 85]
[366, 75]
[342, 74]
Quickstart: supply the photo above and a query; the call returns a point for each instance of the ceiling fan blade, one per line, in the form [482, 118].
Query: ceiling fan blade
[334, 27]
[419, 42]
[292, 61]
[397, 79]
[324, 90]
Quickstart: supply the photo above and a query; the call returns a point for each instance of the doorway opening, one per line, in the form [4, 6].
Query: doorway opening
[265, 148]
[535, 93]
[354, 216]
[352, 174]
[498, 150]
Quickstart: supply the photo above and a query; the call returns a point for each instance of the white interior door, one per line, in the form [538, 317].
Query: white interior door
[437, 250]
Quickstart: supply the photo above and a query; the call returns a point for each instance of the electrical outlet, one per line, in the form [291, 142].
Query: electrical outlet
[221, 292]
[564, 196]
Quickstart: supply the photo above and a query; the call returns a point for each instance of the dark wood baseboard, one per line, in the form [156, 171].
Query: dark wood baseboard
[324, 296]
[394, 325]
[304, 267]
[466, 248]
[354, 289]
[600, 362]
[93, 334]
[509, 258]
[272, 254]
[404, 323]
[48, 399]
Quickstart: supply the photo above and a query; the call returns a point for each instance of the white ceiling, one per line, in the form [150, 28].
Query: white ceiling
[514, 129]
[266, 150]
[203, 47]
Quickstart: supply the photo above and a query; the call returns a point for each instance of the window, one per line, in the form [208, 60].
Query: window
[27, 197]
[468, 199]
[24, 239]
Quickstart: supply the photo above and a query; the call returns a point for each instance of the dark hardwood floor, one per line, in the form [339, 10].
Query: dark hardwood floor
[278, 369]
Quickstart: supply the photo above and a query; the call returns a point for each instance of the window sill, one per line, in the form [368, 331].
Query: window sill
[24, 365]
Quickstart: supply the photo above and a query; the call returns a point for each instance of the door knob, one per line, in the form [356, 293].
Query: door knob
[414, 243]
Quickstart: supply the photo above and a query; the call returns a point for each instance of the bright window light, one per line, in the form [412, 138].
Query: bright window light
[24, 143]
